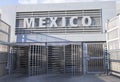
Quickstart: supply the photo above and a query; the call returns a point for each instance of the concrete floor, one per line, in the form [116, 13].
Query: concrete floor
[59, 78]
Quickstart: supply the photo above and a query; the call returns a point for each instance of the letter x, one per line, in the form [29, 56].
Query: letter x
[53, 21]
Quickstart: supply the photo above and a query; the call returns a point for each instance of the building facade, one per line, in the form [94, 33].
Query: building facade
[4, 47]
[113, 43]
[66, 38]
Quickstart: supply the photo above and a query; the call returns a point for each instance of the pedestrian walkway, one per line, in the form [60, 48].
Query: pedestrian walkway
[60, 78]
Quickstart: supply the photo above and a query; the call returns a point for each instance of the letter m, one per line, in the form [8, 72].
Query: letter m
[29, 22]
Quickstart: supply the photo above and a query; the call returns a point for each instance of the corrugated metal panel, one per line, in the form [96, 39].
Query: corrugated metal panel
[95, 14]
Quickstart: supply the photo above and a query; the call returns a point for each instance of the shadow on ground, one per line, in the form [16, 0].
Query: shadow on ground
[59, 78]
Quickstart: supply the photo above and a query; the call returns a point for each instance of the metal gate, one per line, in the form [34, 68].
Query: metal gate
[37, 59]
[58, 58]
[94, 59]
[18, 60]
[55, 58]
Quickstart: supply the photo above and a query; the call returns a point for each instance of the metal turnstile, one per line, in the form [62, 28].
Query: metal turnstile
[58, 58]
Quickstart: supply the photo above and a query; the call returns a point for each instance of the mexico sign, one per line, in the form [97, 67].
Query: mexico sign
[57, 21]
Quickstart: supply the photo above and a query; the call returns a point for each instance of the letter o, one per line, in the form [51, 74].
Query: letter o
[88, 19]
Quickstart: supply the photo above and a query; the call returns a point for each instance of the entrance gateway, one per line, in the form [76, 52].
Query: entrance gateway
[49, 42]
[72, 58]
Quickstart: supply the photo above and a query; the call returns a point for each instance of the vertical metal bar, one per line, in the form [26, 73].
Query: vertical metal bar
[97, 65]
[42, 56]
[97, 52]
[79, 58]
[94, 54]
[72, 58]
[104, 57]
[41, 52]
[64, 51]
[34, 71]
[33, 60]
[99, 55]
[76, 58]
[93, 61]
[38, 59]
[84, 58]
[29, 54]
[47, 56]
[29, 59]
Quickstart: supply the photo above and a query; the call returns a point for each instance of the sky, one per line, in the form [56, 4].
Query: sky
[12, 2]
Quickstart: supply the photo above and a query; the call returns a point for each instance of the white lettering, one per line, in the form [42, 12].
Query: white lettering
[63, 21]
[53, 21]
[86, 21]
[72, 21]
[42, 22]
[29, 22]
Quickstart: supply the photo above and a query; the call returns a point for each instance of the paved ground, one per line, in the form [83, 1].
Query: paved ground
[60, 78]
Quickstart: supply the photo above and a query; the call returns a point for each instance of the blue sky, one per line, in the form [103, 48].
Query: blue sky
[11, 2]
[8, 2]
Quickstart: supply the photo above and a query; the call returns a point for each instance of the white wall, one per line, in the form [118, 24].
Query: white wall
[118, 8]
[8, 14]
